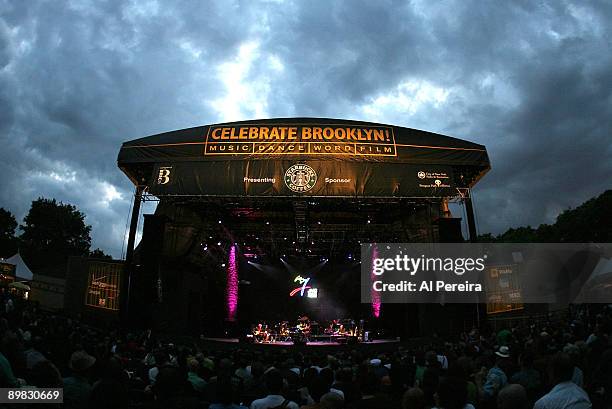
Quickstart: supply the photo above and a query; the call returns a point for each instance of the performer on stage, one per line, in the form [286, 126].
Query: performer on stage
[304, 326]
[306, 330]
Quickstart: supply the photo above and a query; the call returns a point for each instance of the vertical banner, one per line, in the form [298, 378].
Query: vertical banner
[103, 285]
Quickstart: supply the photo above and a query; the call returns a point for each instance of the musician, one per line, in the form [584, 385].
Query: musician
[304, 327]
[284, 329]
[261, 333]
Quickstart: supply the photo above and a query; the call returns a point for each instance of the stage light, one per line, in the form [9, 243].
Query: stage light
[375, 296]
[219, 221]
[369, 221]
[205, 248]
[222, 264]
[267, 222]
[218, 243]
[232, 285]
[318, 222]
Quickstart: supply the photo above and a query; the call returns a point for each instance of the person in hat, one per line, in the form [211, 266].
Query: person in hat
[496, 377]
[77, 387]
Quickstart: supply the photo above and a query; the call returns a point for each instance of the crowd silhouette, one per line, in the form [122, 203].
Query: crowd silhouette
[549, 363]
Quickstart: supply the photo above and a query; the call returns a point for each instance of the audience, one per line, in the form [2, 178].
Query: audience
[548, 364]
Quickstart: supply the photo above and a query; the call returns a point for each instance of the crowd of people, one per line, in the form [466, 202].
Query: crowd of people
[548, 365]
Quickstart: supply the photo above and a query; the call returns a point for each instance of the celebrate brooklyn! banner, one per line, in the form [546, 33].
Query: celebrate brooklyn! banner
[303, 156]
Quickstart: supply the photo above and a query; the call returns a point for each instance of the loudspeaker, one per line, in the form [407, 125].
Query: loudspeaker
[144, 287]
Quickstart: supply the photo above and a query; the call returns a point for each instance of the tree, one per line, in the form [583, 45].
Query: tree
[98, 253]
[8, 241]
[52, 232]
[589, 222]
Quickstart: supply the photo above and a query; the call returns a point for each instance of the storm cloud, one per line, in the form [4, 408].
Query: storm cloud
[530, 80]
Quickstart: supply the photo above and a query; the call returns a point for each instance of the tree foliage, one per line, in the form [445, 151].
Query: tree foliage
[589, 222]
[8, 240]
[52, 232]
[99, 254]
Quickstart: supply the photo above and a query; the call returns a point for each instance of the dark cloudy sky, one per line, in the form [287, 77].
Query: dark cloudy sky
[532, 80]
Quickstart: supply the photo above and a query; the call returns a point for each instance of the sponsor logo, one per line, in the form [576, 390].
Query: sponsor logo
[433, 179]
[163, 175]
[300, 178]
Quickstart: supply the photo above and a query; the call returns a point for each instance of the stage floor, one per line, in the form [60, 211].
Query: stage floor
[310, 343]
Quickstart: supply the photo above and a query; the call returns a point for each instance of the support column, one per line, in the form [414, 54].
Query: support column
[471, 221]
[128, 266]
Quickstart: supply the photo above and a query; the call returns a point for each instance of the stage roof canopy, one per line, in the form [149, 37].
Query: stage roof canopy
[303, 157]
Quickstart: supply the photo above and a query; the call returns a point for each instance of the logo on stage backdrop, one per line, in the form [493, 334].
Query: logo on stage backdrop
[433, 179]
[163, 175]
[304, 289]
[300, 178]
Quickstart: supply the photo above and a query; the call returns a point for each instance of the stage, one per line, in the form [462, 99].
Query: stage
[326, 343]
[264, 221]
[231, 344]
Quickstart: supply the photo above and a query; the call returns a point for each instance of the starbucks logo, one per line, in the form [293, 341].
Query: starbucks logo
[300, 178]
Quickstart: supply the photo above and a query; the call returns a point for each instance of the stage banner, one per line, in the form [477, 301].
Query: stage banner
[265, 140]
[302, 178]
[103, 285]
[502, 275]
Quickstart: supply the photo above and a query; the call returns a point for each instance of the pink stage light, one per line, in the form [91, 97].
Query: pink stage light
[375, 295]
[232, 285]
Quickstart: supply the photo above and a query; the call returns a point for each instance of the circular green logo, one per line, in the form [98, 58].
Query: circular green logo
[300, 178]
